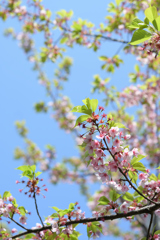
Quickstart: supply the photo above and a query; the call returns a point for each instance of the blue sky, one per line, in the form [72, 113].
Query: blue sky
[20, 91]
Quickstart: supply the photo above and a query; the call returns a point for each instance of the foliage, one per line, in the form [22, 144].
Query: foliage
[116, 149]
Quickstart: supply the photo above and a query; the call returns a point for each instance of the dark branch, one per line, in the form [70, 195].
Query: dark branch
[35, 201]
[17, 223]
[147, 209]
[150, 226]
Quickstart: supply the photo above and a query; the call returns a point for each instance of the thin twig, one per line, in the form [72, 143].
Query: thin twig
[34, 196]
[95, 35]
[17, 223]
[148, 233]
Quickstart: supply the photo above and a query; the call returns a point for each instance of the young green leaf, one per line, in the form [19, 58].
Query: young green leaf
[120, 125]
[82, 109]
[103, 201]
[6, 194]
[23, 168]
[140, 36]
[86, 101]
[137, 159]
[139, 166]
[114, 195]
[94, 104]
[22, 210]
[156, 23]
[133, 176]
[151, 13]
[128, 197]
[81, 119]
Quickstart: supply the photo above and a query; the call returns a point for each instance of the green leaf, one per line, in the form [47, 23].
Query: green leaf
[71, 206]
[140, 36]
[133, 176]
[54, 215]
[23, 168]
[114, 195]
[56, 209]
[103, 201]
[146, 20]
[62, 13]
[82, 109]
[156, 23]
[157, 232]
[22, 210]
[144, 238]
[63, 212]
[118, 2]
[139, 166]
[94, 104]
[14, 202]
[29, 236]
[120, 125]
[137, 159]
[159, 176]
[33, 168]
[81, 119]
[37, 174]
[139, 199]
[86, 101]
[153, 177]
[140, 189]
[151, 13]
[136, 67]
[135, 23]
[128, 197]
[103, 58]
[6, 194]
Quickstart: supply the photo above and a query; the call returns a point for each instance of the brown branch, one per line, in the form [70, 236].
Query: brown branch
[35, 201]
[17, 223]
[150, 226]
[95, 35]
[147, 209]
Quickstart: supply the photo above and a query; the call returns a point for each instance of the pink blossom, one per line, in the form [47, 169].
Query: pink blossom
[95, 144]
[95, 214]
[23, 219]
[99, 152]
[112, 166]
[10, 198]
[108, 139]
[127, 155]
[9, 207]
[125, 188]
[116, 142]
[128, 136]
[124, 207]
[135, 151]
[14, 230]
[113, 131]
[101, 135]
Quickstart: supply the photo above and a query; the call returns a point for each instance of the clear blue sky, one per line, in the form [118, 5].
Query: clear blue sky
[19, 91]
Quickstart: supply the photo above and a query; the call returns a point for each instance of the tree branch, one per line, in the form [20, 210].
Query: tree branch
[17, 223]
[147, 209]
[95, 35]
[35, 201]
[150, 226]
